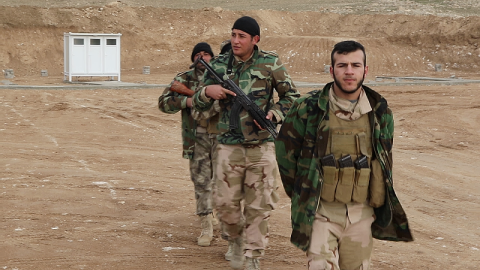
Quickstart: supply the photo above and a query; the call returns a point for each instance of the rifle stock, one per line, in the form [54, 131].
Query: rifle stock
[241, 100]
[181, 88]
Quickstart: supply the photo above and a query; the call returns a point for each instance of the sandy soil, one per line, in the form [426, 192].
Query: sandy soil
[94, 179]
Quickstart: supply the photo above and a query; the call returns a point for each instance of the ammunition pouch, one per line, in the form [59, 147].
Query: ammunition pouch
[346, 177]
[330, 180]
[360, 188]
[377, 185]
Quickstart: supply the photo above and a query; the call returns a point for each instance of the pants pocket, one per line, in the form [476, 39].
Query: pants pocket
[360, 189]
[344, 190]
[330, 179]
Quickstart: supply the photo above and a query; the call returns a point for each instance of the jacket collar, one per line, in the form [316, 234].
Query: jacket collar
[252, 58]
[373, 97]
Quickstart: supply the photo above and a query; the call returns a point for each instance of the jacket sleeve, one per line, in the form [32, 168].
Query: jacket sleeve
[172, 102]
[287, 92]
[200, 101]
[386, 141]
[288, 146]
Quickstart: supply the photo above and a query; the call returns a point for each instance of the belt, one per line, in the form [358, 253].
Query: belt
[250, 145]
[201, 129]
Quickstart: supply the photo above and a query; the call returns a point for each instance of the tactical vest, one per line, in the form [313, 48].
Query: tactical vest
[347, 184]
[203, 123]
[212, 124]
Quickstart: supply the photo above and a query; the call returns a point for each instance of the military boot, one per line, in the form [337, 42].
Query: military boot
[237, 258]
[229, 253]
[252, 264]
[207, 231]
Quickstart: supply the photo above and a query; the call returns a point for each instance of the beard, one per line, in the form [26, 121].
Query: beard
[359, 84]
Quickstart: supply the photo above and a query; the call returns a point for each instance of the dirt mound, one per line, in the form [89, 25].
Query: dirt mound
[162, 38]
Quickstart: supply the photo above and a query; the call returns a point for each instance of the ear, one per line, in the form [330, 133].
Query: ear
[331, 71]
[366, 71]
[256, 39]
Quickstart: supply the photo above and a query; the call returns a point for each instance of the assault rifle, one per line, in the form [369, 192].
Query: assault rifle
[239, 101]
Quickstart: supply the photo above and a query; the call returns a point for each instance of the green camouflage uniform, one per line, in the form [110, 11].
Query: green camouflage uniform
[257, 77]
[303, 138]
[197, 145]
[245, 166]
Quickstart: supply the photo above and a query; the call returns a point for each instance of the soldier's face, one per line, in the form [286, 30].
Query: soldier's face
[243, 43]
[348, 72]
[206, 57]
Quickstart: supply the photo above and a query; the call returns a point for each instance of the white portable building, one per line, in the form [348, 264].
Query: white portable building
[88, 54]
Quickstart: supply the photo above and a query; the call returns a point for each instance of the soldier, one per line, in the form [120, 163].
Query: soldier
[245, 166]
[334, 152]
[212, 117]
[197, 146]
[225, 46]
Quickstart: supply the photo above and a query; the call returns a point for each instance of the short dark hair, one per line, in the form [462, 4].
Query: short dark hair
[348, 46]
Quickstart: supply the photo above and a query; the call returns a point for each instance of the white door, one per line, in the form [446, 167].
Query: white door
[95, 63]
[79, 51]
[111, 56]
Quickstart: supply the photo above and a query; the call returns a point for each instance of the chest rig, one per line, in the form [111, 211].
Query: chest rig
[344, 180]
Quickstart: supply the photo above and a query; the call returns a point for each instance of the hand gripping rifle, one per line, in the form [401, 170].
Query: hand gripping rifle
[239, 101]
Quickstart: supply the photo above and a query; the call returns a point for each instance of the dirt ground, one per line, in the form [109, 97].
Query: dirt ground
[94, 179]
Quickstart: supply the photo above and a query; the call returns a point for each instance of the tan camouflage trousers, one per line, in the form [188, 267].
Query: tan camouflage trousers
[201, 173]
[246, 173]
[335, 247]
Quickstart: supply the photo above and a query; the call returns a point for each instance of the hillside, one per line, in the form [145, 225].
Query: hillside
[400, 43]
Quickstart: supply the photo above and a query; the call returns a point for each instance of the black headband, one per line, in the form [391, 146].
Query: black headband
[248, 25]
[202, 46]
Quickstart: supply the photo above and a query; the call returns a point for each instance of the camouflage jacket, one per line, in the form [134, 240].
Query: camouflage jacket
[257, 77]
[172, 102]
[304, 135]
